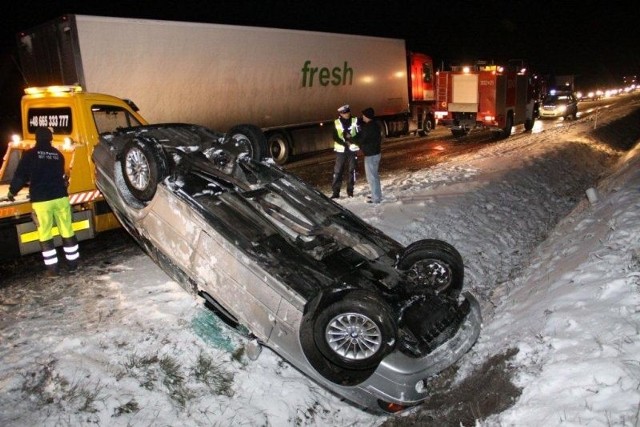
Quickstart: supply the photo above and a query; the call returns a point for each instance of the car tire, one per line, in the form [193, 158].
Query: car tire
[247, 139]
[143, 167]
[355, 332]
[434, 264]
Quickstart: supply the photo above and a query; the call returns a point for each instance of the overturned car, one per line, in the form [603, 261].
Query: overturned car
[366, 317]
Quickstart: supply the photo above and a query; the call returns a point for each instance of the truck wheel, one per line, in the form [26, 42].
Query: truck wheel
[143, 167]
[430, 123]
[356, 331]
[279, 147]
[433, 264]
[427, 126]
[528, 124]
[506, 131]
[459, 133]
[247, 139]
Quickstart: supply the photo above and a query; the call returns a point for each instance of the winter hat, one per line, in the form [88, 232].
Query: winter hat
[43, 135]
[369, 113]
[344, 109]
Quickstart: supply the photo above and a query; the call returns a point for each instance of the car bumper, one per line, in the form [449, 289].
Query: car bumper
[552, 113]
[401, 379]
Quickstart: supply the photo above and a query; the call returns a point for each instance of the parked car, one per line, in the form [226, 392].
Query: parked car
[366, 317]
[560, 104]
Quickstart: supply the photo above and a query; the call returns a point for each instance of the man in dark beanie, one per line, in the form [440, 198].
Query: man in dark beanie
[369, 141]
[42, 169]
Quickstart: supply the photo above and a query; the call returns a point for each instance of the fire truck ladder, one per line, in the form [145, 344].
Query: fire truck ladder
[442, 91]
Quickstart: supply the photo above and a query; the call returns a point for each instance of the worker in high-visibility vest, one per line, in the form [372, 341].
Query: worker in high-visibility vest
[344, 136]
[42, 169]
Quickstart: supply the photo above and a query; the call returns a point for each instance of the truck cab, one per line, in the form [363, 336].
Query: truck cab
[77, 119]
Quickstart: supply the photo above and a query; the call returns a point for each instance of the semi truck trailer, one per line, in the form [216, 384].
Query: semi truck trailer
[288, 83]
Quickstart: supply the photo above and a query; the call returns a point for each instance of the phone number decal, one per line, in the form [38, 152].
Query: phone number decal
[58, 120]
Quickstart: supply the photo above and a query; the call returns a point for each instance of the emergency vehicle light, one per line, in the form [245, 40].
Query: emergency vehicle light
[67, 144]
[52, 89]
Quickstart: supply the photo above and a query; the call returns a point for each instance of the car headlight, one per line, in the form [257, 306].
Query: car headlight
[562, 108]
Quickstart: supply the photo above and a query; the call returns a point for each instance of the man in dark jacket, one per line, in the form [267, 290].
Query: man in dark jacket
[42, 169]
[369, 141]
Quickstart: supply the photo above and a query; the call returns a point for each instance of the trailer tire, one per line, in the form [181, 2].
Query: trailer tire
[143, 167]
[279, 145]
[384, 129]
[247, 139]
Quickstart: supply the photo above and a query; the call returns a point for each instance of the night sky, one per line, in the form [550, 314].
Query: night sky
[595, 40]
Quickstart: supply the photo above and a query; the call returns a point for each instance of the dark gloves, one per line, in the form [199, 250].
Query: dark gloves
[10, 196]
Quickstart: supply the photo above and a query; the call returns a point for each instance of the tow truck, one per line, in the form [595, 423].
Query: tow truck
[76, 118]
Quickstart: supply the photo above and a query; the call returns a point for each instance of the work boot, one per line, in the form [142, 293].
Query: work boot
[52, 271]
[72, 266]
[335, 196]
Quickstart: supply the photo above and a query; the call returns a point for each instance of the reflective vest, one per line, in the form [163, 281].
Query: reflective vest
[353, 130]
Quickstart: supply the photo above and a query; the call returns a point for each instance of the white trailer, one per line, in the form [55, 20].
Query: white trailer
[287, 82]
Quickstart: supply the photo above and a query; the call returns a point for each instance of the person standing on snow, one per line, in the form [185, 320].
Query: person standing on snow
[369, 140]
[344, 133]
[42, 169]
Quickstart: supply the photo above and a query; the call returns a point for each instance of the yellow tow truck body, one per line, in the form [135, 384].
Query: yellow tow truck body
[77, 119]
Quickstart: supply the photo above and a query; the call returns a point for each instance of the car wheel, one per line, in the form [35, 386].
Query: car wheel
[356, 331]
[247, 139]
[143, 167]
[433, 264]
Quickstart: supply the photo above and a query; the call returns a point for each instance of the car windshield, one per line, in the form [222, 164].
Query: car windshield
[557, 99]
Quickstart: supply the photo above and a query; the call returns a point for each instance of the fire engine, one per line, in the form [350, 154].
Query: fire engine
[485, 97]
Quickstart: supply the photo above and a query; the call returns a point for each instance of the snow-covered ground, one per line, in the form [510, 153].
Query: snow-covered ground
[557, 275]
